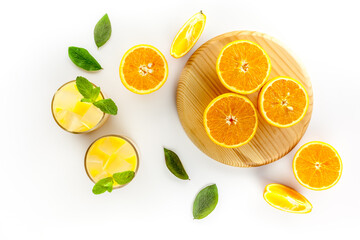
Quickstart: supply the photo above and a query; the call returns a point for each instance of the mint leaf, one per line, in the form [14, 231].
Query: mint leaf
[107, 106]
[174, 164]
[85, 87]
[95, 93]
[103, 185]
[102, 31]
[86, 100]
[205, 202]
[83, 59]
[124, 177]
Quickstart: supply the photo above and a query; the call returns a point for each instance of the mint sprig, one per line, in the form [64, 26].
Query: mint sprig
[103, 185]
[91, 93]
[106, 184]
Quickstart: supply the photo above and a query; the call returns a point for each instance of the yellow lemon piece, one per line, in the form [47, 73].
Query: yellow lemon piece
[286, 199]
[188, 35]
[96, 153]
[81, 108]
[133, 161]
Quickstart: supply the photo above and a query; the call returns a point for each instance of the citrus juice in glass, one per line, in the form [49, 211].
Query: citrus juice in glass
[73, 115]
[109, 155]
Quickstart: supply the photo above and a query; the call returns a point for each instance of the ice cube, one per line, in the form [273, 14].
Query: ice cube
[111, 145]
[92, 116]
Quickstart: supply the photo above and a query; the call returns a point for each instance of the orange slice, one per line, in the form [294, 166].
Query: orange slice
[143, 69]
[188, 35]
[230, 120]
[283, 102]
[317, 166]
[243, 66]
[286, 199]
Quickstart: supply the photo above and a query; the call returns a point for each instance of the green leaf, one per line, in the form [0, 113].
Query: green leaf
[105, 184]
[85, 87]
[205, 202]
[82, 58]
[174, 164]
[95, 94]
[86, 100]
[124, 177]
[107, 106]
[102, 31]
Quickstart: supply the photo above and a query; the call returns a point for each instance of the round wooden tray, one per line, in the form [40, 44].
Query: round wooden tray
[199, 84]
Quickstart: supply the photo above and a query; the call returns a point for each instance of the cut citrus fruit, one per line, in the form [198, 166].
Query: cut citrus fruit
[143, 69]
[188, 35]
[230, 120]
[317, 166]
[283, 102]
[286, 199]
[243, 66]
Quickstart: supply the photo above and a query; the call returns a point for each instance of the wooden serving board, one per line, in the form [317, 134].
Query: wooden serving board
[199, 84]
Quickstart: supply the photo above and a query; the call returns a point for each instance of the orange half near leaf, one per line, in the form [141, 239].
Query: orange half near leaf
[143, 69]
[188, 35]
[286, 199]
[230, 120]
[317, 166]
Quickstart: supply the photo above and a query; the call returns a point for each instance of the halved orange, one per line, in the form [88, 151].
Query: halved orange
[143, 69]
[188, 35]
[283, 102]
[317, 166]
[286, 199]
[243, 66]
[230, 120]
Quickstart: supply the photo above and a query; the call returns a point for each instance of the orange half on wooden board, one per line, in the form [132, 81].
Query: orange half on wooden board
[317, 166]
[283, 102]
[188, 35]
[143, 69]
[243, 66]
[286, 199]
[230, 120]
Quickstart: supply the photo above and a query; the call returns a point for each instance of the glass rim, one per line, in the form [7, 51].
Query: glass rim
[118, 136]
[104, 116]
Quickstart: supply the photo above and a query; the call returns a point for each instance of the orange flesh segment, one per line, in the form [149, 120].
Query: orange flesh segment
[144, 68]
[286, 199]
[243, 66]
[284, 101]
[231, 120]
[317, 166]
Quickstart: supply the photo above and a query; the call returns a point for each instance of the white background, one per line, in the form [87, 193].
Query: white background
[45, 192]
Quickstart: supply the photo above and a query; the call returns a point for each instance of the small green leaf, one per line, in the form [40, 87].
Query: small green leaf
[102, 31]
[95, 94]
[105, 184]
[124, 177]
[107, 106]
[205, 202]
[83, 59]
[174, 164]
[85, 87]
[86, 100]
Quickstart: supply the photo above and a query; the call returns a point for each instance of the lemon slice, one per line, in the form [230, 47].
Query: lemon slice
[188, 35]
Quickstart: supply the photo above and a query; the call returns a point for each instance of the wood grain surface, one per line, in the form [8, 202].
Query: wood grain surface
[199, 84]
